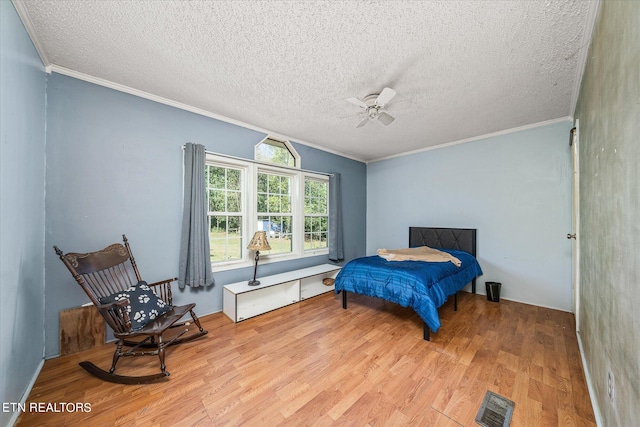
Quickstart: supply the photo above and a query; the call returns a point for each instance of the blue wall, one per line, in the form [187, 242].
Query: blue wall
[22, 123]
[515, 189]
[114, 166]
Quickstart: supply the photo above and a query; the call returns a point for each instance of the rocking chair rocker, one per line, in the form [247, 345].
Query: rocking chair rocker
[130, 307]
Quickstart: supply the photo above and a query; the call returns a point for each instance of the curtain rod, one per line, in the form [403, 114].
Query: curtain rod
[228, 156]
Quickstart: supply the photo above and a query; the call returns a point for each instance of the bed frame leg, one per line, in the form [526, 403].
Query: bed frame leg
[425, 333]
[344, 299]
[473, 285]
[455, 302]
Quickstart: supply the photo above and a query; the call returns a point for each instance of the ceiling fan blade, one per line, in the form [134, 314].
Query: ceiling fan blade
[385, 96]
[356, 101]
[385, 118]
[363, 122]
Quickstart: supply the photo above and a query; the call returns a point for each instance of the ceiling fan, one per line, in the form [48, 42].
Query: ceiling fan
[373, 107]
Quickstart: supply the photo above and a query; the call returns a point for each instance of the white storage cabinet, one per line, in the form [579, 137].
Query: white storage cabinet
[241, 301]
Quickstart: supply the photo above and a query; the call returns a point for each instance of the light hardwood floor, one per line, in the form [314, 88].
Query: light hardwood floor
[315, 364]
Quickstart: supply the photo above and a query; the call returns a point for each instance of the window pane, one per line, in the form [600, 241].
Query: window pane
[216, 201]
[280, 224]
[322, 206]
[225, 208]
[285, 204]
[274, 184]
[262, 183]
[276, 198]
[262, 203]
[219, 225]
[233, 179]
[273, 204]
[235, 226]
[274, 151]
[234, 246]
[309, 205]
[233, 201]
[280, 244]
[313, 189]
[268, 224]
[315, 197]
[216, 243]
[316, 215]
[278, 230]
[225, 238]
[216, 177]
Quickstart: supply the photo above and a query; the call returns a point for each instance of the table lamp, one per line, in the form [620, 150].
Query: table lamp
[258, 243]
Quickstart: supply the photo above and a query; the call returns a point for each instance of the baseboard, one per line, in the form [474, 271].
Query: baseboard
[26, 393]
[592, 394]
[536, 305]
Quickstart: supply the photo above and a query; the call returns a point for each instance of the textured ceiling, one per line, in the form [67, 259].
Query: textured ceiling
[461, 69]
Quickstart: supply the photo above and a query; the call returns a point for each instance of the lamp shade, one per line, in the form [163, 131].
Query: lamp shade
[259, 242]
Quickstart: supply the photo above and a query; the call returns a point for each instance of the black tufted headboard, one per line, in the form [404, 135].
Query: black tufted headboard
[463, 239]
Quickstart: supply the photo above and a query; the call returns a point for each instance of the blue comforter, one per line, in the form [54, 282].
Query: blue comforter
[423, 286]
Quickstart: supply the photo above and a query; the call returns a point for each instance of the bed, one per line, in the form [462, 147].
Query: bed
[423, 286]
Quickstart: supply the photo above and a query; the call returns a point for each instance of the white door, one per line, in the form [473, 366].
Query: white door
[575, 219]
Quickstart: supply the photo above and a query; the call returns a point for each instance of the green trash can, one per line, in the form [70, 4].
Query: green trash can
[493, 291]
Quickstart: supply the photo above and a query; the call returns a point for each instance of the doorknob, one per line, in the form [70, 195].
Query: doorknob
[571, 236]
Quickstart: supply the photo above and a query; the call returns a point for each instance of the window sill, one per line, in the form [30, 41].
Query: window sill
[231, 265]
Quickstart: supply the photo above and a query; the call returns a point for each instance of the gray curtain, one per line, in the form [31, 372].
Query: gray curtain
[195, 261]
[336, 250]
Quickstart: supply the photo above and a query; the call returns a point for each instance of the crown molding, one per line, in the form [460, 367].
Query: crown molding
[477, 138]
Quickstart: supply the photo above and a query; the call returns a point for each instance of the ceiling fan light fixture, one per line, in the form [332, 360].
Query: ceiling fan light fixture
[373, 107]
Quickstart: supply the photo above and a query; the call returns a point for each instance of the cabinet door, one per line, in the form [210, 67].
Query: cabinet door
[261, 300]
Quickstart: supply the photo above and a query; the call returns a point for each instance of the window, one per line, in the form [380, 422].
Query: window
[272, 150]
[226, 213]
[275, 215]
[244, 197]
[316, 213]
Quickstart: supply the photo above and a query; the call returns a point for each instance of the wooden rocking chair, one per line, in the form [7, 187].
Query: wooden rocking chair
[132, 308]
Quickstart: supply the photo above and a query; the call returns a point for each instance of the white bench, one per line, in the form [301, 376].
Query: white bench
[241, 301]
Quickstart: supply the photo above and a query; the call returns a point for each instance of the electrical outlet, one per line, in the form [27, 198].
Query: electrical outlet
[610, 386]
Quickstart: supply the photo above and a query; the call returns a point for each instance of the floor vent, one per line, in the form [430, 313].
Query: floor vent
[495, 411]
